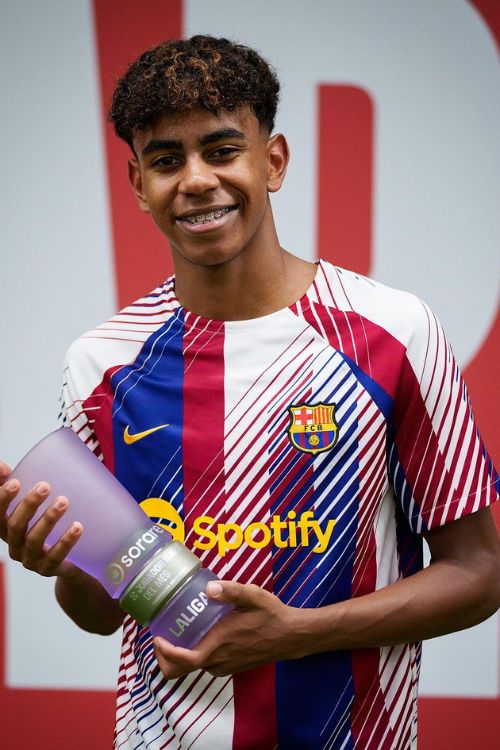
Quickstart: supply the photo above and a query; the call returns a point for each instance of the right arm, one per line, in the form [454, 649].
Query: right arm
[81, 597]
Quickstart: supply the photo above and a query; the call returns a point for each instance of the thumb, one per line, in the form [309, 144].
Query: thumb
[239, 594]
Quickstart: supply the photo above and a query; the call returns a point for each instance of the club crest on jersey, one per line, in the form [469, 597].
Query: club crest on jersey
[313, 428]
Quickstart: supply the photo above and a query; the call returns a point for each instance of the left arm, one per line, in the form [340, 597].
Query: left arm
[460, 588]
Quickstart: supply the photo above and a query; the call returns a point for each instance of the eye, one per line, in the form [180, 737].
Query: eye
[225, 152]
[166, 161]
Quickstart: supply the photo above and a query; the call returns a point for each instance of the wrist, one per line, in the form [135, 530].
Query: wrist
[73, 576]
[312, 631]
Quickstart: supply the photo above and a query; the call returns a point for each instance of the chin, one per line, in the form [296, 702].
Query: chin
[210, 258]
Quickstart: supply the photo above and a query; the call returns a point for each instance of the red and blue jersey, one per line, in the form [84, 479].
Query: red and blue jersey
[306, 452]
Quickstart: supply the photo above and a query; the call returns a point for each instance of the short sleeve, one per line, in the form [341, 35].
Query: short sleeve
[72, 412]
[437, 461]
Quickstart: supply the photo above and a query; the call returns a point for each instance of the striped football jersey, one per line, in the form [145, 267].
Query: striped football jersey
[304, 451]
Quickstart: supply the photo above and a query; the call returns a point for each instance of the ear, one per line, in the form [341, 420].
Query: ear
[278, 156]
[135, 178]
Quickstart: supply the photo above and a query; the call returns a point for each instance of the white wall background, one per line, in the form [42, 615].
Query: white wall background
[56, 282]
[432, 70]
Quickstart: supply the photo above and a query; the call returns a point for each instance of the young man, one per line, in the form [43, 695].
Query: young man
[299, 426]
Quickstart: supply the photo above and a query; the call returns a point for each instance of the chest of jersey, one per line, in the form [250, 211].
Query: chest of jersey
[259, 446]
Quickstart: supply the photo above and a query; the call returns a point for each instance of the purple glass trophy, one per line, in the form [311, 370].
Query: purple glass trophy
[156, 578]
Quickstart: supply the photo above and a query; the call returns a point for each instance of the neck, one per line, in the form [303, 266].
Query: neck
[249, 286]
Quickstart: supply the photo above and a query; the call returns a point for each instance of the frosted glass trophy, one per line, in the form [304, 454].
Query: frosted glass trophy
[155, 578]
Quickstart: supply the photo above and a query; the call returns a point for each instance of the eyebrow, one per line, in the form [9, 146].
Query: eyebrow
[219, 135]
[159, 144]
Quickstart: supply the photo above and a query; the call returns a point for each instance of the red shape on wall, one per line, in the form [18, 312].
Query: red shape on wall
[458, 723]
[124, 29]
[344, 235]
[345, 176]
[55, 719]
[489, 10]
[482, 374]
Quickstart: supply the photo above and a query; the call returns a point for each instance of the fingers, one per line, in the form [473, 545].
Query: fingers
[5, 472]
[243, 596]
[175, 661]
[28, 546]
[46, 560]
[17, 522]
[50, 561]
[8, 491]
[247, 637]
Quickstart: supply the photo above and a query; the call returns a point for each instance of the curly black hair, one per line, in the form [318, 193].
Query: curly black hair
[203, 71]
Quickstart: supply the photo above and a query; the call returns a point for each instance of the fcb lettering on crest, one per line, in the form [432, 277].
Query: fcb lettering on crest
[313, 428]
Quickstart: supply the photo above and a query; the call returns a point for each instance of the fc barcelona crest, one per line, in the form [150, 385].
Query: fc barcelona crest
[313, 428]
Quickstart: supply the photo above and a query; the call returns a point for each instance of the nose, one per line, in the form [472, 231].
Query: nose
[197, 177]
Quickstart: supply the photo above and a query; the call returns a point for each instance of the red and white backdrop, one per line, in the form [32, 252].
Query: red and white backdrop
[392, 111]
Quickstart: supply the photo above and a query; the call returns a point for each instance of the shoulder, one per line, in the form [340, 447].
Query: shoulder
[400, 313]
[118, 340]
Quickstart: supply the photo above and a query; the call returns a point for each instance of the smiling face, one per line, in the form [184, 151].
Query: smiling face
[205, 180]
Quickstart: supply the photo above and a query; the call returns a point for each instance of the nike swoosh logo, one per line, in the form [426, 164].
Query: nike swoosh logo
[129, 439]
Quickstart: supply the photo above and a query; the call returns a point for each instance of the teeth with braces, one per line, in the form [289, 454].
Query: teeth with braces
[205, 218]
